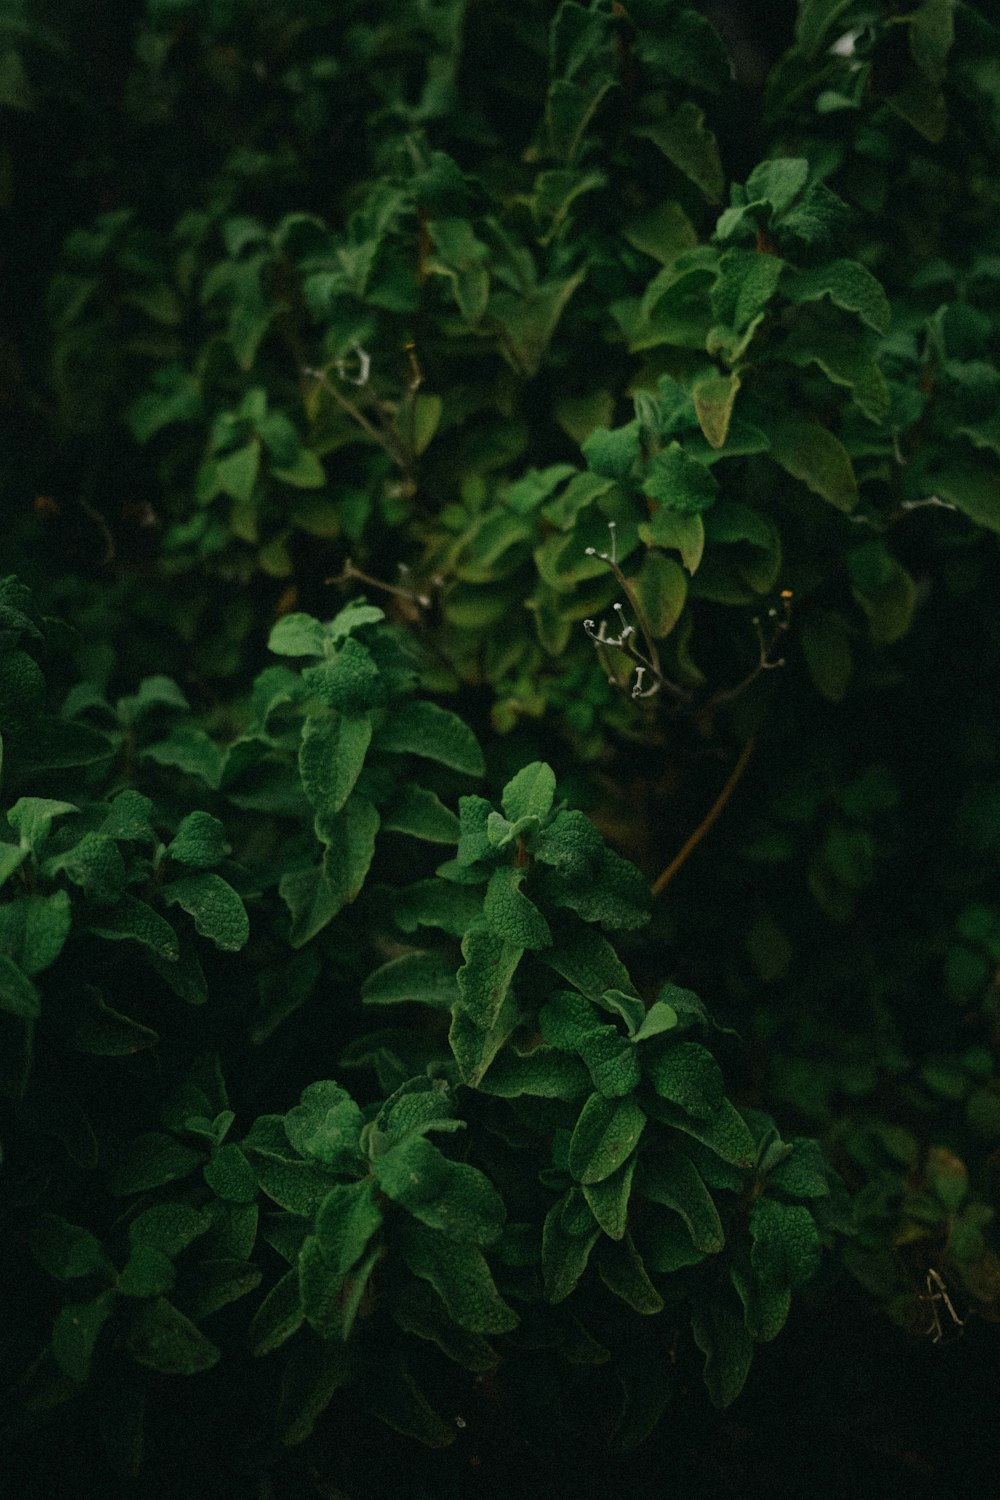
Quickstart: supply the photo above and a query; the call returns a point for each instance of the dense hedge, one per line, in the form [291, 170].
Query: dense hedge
[452, 448]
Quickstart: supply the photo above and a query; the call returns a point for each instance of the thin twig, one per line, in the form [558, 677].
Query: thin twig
[692, 843]
[383, 435]
[764, 663]
[625, 641]
[349, 571]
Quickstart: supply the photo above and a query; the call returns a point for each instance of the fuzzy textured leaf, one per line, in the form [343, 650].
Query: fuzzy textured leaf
[605, 1134]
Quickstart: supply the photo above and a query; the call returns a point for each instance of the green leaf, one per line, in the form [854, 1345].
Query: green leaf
[671, 1179]
[447, 1195]
[18, 996]
[146, 1273]
[680, 482]
[666, 1243]
[725, 1132]
[611, 453]
[150, 1161]
[312, 902]
[425, 729]
[278, 1316]
[786, 1247]
[436, 903]
[661, 588]
[746, 282]
[778, 182]
[33, 930]
[306, 473]
[296, 1186]
[528, 320]
[236, 473]
[216, 1283]
[346, 1221]
[398, 1401]
[200, 842]
[815, 21]
[349, 681]
[473, 840]
[685, 140]
[326, 1126]
[932, 33]
[132, 920]
[420, 978]
[76, 1331]
[765, 1309]
[484, 1015]
[218, 912]
[169, 1227]
[543, 1073]
[299, 634]
[162, 1338]
[802, 1174]
[185, 976]
[349, 836]
[65, 1250]
[530, 793]
[624, 1273]
[811, 453]
[605, 1134]
[683, 533]
[570, 108]
[713, 401]
[973, 488]
[848, 285]
[230, 1175]
[587, 961]
[687, 1075]
[420, 1104]
[331, 755]
[883, 588]
[190, 750]
[106, 1032]
[607, 889]
[569, 1234]
[315, 1371]
[663, 233]
[485, 977]
[154, 693]
[421, 813]
[845, 361]
[510, 915]
[611, 1060]
[494, 546]
[459, 1274]
[727, 1347]
[826, 647]
[463, 259]
[176, 398]
[419, 1310]
[12, 857]
[608, 1200]
[95, 864]
[32, 817]
[352, 617]
[567, 1018]
[660, 1017]
[675, 308]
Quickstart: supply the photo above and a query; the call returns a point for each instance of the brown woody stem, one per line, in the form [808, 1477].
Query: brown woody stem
[692, 843]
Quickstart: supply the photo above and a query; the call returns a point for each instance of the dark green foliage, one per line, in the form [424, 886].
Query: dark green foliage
[458, 454]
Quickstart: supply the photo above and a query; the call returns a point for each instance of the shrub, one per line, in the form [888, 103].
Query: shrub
[646, 389]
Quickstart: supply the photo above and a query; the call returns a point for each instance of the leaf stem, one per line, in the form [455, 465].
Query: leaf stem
[690, 844]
